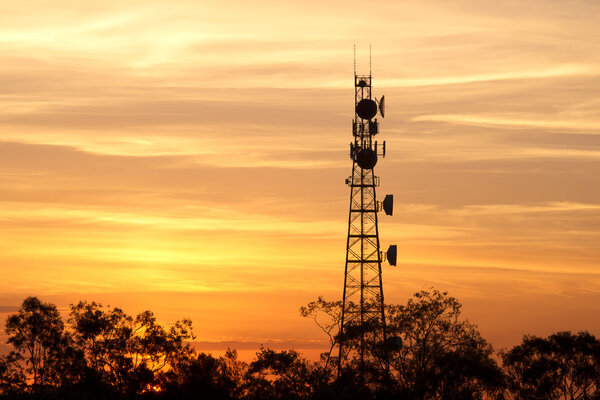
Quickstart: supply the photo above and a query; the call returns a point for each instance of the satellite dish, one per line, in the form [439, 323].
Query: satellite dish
[366, 109]
[382, 106]
[388, 204]
[391, 254]
[366, 158]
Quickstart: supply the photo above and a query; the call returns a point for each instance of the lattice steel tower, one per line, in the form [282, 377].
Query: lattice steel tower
[363, 328]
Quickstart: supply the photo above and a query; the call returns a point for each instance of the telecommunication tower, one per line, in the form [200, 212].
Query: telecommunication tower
[363, 330]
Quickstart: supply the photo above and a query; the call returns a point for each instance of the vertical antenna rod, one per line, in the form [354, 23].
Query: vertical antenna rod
[370, 74]
[354, 59]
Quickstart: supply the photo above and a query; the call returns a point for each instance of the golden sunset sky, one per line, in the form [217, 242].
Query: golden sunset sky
[189, 157]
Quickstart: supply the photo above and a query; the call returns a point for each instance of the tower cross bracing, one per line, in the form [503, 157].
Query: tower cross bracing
[363, 314]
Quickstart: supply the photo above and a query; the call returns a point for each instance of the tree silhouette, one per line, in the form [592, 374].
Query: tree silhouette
[327, 315]
[442, 356]
[279, 375]
[12, 374]
[561, 366]
[215, 378]
[104, 353]
[43, 353]
[123, 351]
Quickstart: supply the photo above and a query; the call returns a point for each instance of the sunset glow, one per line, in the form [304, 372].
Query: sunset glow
[189, 158]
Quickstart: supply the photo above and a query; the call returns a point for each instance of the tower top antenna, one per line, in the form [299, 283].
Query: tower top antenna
[369, 60]
[354, 58]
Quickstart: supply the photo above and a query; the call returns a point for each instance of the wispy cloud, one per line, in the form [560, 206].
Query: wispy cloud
[574, 125]
[549, 72]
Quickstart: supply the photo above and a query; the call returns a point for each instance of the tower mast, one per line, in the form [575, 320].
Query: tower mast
[363, 328]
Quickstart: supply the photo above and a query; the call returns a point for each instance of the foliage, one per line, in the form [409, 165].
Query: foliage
[561, 366]
[442, 355]
[42, 348]
[327, 315]
[104, 353]
[215, 378]
[12, 374]
[123, 351]
[279, 375]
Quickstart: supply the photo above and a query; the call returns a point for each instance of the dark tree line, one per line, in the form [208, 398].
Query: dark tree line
[103, 353]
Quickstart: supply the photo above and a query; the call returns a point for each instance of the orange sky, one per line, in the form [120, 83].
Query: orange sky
[189, 157]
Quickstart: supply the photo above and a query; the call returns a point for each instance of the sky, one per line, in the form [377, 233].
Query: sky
[189, 157]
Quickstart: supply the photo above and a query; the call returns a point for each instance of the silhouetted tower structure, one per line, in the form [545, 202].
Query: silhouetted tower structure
[363, 330]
